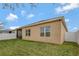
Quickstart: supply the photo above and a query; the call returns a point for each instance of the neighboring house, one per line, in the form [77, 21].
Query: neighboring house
[6, 31]
[50, 31]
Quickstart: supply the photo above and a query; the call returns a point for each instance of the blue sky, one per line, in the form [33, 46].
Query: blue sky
[27, 15]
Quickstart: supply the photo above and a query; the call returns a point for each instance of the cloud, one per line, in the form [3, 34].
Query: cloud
[11, 17]
[67, 20]
[27, 14]
[74, 29]
[14, 27]
[30, 15]
[67, 7]
[23, 12]
[1, 25]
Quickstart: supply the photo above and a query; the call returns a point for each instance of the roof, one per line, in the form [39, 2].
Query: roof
[61, 18]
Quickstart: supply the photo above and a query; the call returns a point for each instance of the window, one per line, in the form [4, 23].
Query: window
[28, 32]
[45, 31]
[42, 31]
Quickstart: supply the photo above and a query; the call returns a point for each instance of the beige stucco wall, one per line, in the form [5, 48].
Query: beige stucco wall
[63, 31]
[55, 36]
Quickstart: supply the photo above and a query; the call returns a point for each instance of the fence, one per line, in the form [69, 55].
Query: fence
[77, 36]
[5, 36]
[72, 36]
[69, 36]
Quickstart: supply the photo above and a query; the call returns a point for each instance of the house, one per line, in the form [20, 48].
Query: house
[6, 31]
[50, 31]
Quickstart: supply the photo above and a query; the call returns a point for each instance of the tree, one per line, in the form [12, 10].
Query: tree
[13, 6]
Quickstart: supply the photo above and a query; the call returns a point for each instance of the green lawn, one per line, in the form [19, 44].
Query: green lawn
[29, 48]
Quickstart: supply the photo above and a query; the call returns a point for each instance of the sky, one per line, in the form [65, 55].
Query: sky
[43, 11]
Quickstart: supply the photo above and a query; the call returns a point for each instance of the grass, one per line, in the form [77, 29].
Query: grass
[29, 48]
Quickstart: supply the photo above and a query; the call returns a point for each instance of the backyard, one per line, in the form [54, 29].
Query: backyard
[18, 47]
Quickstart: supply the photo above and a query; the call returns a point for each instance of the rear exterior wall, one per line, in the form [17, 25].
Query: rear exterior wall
[63, 31]
[56, 33]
